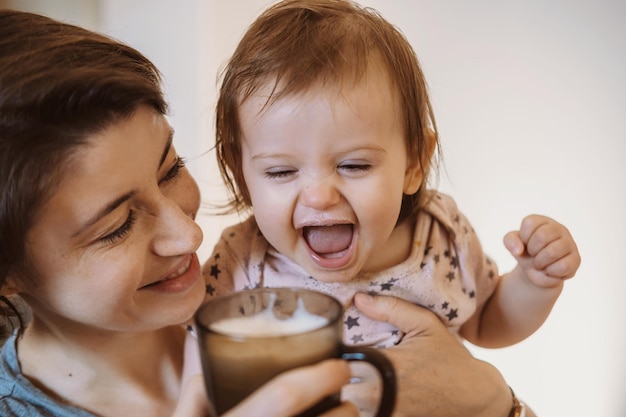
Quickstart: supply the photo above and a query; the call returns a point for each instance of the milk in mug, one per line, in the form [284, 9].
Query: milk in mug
[266, 323]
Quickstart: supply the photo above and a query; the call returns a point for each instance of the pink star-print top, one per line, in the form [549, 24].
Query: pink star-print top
[446, 271]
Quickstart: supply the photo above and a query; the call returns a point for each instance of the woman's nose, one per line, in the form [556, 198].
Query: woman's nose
[319, 194]
[176, 232]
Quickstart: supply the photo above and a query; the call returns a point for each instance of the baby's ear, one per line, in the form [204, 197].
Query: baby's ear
[414, 173]
[412, 179]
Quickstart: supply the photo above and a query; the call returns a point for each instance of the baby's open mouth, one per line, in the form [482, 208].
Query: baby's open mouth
[328, 241]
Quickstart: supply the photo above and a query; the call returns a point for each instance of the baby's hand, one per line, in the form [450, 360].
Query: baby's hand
[544, 249]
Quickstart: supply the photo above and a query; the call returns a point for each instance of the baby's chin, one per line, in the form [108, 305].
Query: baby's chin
[332, 276]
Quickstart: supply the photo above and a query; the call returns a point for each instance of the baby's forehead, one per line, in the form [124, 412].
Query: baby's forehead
[334, 86]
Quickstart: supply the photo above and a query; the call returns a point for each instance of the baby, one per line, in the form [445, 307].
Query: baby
[325, 132]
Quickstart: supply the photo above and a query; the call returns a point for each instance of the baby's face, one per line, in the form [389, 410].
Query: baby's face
[326, 171]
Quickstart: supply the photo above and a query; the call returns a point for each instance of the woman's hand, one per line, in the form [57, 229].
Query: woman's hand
[437, 375]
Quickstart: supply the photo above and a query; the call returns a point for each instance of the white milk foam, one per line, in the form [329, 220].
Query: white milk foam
[266, 323]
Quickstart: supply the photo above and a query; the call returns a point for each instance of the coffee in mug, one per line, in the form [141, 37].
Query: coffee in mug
[249, 337]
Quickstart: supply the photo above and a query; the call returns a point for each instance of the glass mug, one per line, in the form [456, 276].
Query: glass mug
[236, 363]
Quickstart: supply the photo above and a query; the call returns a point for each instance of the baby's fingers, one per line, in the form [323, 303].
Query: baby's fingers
[551, 246]
[535, 235]
[540, 233]
[537, 232]
[558, 259]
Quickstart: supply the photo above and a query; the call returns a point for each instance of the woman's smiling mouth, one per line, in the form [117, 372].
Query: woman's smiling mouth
[179, 280]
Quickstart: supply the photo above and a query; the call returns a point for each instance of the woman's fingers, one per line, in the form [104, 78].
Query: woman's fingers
[407, 317]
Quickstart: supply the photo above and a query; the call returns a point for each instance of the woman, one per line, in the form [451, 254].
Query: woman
[98, 231]
[97, 235]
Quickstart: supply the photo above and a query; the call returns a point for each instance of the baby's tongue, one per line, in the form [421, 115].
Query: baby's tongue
[328, 239]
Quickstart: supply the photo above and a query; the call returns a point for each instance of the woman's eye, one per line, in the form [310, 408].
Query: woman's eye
[122, 231]
[174, 171]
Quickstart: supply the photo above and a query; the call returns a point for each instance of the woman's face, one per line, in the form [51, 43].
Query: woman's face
[115, 245]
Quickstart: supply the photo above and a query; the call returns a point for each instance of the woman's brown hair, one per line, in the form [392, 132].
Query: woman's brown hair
[59, 84]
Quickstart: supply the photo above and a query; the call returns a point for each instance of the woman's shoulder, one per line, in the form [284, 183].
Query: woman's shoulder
[12, 406]
[9, 365]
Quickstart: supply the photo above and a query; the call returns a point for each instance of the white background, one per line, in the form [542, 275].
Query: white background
[530, 100]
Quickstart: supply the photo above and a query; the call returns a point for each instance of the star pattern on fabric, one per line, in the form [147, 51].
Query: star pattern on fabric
[210, 289]
[357, 338]
[351, 322]
[452, 314]
[450, 275]
[215, 271]
[387, 285]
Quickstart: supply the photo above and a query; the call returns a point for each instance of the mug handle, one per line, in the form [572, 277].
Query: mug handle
[384, 368]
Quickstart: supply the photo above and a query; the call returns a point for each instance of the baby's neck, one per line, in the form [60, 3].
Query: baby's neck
[396, 250]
